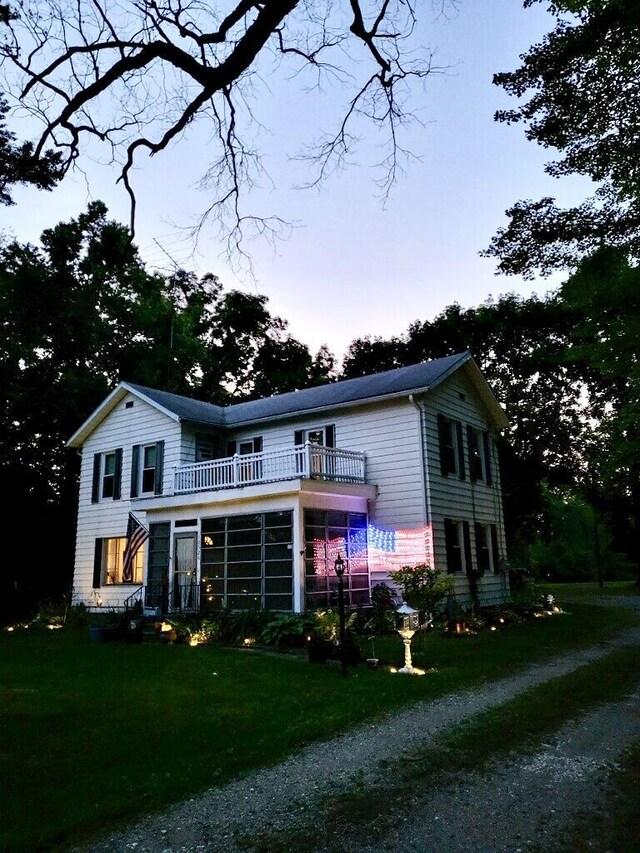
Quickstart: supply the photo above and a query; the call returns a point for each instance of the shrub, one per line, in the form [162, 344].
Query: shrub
[424, 587]
[284, 629]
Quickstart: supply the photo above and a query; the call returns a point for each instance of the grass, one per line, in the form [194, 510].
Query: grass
[91, 733]
[589, 589]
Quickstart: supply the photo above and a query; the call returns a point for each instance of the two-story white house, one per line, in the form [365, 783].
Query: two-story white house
[249, 505]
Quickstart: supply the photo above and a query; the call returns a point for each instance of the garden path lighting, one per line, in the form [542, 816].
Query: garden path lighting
[407, 622]
[339, 570]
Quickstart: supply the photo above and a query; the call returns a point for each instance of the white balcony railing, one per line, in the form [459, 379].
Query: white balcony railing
[310, 461]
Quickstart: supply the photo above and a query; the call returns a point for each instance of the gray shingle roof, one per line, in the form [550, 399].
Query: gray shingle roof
[402, 380]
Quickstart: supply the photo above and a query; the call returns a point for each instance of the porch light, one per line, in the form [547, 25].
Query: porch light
[407, 625]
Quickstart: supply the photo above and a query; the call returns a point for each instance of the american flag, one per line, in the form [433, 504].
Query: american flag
[137, 534]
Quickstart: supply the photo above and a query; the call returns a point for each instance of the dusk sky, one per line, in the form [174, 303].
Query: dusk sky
[353, 266]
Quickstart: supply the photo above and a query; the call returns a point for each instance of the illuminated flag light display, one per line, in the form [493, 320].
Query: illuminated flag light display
[385, 550]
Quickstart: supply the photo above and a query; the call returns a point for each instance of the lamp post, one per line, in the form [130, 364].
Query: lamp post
[339, 570]
[407, 626]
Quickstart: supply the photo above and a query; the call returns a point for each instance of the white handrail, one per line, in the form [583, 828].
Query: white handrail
[309, 461]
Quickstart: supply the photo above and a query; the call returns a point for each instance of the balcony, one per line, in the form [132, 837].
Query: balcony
[308, 461]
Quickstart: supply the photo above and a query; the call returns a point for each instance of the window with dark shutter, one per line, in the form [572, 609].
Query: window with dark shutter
[483, 555]
[468, 559]
[298, 437]
[452, 545]
[486, 441]
[330, 435]
[495, 554]
[475, 460]
[447, 448]
[461, 472]
[117, 477]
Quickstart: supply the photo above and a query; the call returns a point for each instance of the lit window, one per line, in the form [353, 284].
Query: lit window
[112, 554]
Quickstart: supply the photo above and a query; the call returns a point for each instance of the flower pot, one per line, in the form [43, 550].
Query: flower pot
[99, 633]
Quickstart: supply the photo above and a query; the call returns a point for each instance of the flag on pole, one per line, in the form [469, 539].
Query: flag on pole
[137, 534]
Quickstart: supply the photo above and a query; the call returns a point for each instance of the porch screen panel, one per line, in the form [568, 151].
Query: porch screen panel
[327, 534]
[247, 561]
[158, 565]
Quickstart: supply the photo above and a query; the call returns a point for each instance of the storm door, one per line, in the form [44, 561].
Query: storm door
[185, 589]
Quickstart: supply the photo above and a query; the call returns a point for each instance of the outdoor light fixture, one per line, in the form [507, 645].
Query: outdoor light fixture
[339, 566]
[408, 623]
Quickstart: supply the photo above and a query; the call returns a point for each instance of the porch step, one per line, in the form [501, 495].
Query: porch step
[149, 633]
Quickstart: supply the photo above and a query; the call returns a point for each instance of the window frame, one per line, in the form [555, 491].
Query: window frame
[451, 447]
[109, 554]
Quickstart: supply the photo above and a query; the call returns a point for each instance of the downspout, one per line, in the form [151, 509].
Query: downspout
[424, 457]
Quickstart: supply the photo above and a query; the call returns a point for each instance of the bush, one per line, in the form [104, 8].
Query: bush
[284, 629]
[424, 587]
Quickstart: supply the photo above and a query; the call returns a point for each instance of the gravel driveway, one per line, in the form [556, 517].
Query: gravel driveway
[512, 807]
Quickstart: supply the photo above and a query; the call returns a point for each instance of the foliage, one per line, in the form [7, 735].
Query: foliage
[577, 92]
[78, 314]
[284, 629]
[424, 587]
[382, 619]
[18, 163]
[238, 625]
[326, 623]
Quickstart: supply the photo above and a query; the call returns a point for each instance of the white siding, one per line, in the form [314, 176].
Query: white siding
[122, 429]
[459, 499]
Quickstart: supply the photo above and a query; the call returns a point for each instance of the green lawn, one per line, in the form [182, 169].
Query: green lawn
[591, 588]
[91, 733]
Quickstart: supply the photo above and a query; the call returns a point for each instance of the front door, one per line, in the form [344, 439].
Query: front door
[185, 589]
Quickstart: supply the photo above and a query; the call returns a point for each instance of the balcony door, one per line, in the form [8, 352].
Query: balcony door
[185, 588]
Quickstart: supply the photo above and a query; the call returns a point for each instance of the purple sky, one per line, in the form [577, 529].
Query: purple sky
[354, 267]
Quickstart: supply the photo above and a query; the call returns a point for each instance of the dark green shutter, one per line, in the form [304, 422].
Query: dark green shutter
[443, 442]
[298, 437]
[231, 448]
[95, 485]
[450, 539]
[487, 456]
[158, 476]
[117, 476]
[471, 447]
[468, 559]
[257, 444]
[135, 469]
[460, 450]
[330, 435]
[494, 548]
[97, 564]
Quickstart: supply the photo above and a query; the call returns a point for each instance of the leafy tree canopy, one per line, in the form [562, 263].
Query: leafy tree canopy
[579, 93]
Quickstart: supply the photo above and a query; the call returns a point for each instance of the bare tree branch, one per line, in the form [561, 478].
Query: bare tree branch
[135, 75]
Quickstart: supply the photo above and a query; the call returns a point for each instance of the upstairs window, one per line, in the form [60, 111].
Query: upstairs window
[147, 469]
[451, 447]
[324, 436]
[107, 475]
[479, 455]
[458, 545]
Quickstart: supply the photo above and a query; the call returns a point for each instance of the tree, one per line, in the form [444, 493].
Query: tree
[78, 314]
[134, 77]
[579, 94]
[604, 294]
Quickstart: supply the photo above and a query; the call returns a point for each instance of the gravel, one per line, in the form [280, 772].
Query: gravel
[511, 807]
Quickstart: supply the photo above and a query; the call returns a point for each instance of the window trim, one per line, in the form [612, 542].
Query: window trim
[451, 447]
[102, 567]
[99, 476]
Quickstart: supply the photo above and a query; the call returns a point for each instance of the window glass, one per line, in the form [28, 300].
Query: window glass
[148, 476]
[240, 552]
[112, 554]
[108, 475]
